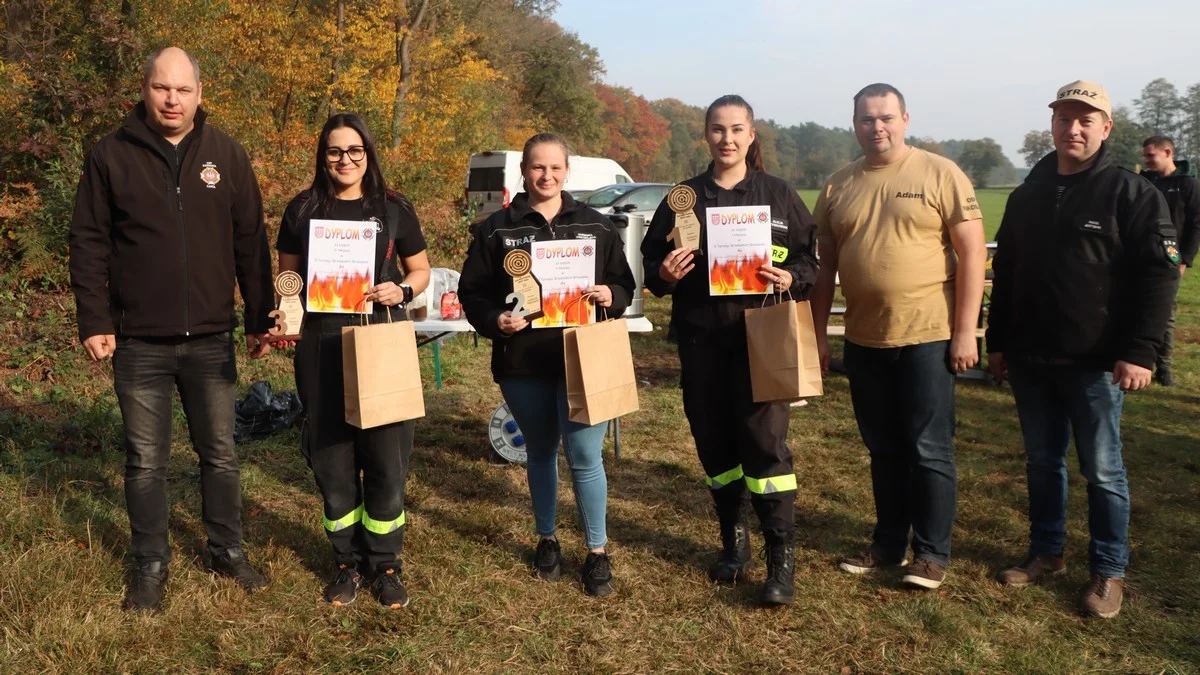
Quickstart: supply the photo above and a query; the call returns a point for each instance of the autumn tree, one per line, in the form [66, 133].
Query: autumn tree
[1038, 144]
[633, 132]
[979, 158]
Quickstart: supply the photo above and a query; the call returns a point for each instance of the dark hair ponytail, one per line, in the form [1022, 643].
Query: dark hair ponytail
[754, 158]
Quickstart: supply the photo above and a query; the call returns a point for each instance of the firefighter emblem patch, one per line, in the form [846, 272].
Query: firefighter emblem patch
[210, 175]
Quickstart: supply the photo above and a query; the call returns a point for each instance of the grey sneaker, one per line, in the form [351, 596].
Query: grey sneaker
[344, 589]
[1032, 571]
[1102, 596]
[869, 560]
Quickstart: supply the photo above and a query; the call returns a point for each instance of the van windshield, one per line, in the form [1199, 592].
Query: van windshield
[606, 196]
[485, 179]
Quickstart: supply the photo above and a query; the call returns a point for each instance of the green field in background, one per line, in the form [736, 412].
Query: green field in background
[991, 200]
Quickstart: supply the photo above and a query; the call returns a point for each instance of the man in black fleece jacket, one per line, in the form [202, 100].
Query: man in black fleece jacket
[1086, 269]
[1177, 181]
[167, 215]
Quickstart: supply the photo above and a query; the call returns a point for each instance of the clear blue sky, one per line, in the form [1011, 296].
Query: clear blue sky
[968, 68]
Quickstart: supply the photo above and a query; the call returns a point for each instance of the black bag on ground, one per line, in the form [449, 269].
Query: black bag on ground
[263, 412]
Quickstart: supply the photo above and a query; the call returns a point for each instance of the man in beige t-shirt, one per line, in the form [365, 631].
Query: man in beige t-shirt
[903, 229]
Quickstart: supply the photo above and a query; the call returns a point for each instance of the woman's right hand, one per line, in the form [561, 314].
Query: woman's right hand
[510, 324]
[677, 264]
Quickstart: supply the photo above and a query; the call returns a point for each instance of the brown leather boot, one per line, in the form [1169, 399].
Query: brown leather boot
[1032, 571]
[1102, 597]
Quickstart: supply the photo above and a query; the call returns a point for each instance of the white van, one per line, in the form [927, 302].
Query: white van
[494, 177]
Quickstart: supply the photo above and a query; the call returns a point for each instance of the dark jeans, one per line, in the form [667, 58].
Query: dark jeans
[904, 403]
[1163, 362]
[1053, 402]
[146, 372]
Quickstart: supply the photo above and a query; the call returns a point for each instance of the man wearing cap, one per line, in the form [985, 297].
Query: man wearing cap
[1086, 268]
[1177, 181]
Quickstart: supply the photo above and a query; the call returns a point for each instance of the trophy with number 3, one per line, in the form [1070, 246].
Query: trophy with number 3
[290, 315]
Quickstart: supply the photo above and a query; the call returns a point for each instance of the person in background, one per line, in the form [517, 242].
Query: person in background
[361, 472]
[528, 364]
[1176, 179]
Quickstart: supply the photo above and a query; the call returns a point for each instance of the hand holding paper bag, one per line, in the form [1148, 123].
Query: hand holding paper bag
[784, 363]
[600, 380]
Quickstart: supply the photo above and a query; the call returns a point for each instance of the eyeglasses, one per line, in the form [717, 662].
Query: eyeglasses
[356, 154]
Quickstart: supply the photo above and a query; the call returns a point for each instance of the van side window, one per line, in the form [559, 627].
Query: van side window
[621, 179]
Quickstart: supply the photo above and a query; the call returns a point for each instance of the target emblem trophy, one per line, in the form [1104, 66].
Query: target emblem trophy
[290, 314]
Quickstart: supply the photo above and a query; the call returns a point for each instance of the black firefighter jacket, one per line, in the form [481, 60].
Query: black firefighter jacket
[695, 314]
[1087, 278]
[155, 250]
[484, 285]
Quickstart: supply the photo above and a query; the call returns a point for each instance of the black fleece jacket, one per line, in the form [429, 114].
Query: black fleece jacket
[694, 312]
[156, 244]
[1086, 278]
[484, 284]
[1182, 191]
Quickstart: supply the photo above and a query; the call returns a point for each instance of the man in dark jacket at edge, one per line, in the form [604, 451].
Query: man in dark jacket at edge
[1086, 269]
[1177, 181]
[168, 212]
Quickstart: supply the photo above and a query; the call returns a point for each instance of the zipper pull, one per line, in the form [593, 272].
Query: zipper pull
[179, 197]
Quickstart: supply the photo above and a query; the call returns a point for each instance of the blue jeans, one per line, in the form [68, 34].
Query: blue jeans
[540, 408]
[904, 403]
[1053, 402]
[146, 373]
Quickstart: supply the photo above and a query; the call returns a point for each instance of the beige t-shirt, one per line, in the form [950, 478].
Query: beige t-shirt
[895, 259]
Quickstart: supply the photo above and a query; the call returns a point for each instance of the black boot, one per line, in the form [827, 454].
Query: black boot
[736, 560]
[146, 592]
[779, 588]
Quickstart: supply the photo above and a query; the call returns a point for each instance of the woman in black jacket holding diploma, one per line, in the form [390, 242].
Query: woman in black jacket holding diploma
[527, 360]
[742, 444]
[364, 518]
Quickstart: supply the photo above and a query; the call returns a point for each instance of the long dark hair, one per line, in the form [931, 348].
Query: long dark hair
[322, 195]
[754, 152]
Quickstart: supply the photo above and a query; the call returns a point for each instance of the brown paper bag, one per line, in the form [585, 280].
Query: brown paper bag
[382, 374]
[599, 363]
[784, 365]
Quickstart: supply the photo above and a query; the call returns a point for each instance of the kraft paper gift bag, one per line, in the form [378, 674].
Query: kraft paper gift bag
[784, 365]
[599, 363]
[382, 374]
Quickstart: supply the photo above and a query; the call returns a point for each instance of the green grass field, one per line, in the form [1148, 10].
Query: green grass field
[991, 201]
[64, 538]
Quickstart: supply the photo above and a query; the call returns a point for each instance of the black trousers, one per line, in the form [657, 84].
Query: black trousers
[146, 373]
[742, 444]
[361, 472]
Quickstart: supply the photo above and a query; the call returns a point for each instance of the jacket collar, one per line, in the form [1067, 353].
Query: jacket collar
[519, 209]
[711, 188]
[135, 125]
[1046, 170]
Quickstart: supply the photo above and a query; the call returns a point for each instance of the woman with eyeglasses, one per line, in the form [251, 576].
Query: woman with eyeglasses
[361, 472]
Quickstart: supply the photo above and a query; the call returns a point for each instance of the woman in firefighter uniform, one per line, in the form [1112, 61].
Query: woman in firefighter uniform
[527, 363]
[742, 444]
[361, 472]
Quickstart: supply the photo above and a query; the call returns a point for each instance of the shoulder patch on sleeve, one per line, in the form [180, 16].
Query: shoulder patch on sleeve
[1171, 250]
